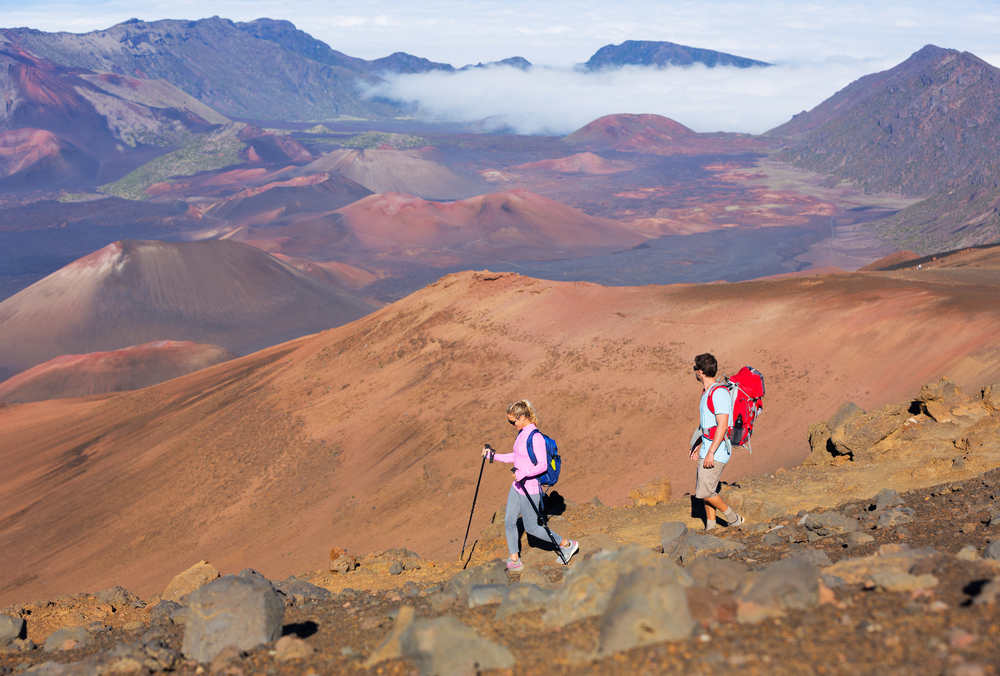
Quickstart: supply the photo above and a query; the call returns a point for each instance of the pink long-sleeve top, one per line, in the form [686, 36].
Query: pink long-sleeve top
[522, 463]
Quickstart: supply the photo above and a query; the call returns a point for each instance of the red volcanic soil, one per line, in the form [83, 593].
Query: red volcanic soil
[34, 158]
[512, 225]
[581, 163]
[130, 292]
[406, 171]
[340, 275]
[78, 375]
[214, 184]
[658, 135]
[367, 436]
[316, 193]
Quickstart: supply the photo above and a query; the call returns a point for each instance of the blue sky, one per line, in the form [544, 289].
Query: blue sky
[819, 47]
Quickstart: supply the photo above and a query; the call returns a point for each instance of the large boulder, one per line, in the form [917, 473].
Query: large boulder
[648, 605]
[67, 638]
[588, 586]
[985, 432]
[10, 628]
[791, 584]
[195, 577]
[991, 397]
[653, 492]
[232, 611]
[442, 646]
[868, 437]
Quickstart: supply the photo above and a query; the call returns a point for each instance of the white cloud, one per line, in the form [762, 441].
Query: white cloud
[558, 101]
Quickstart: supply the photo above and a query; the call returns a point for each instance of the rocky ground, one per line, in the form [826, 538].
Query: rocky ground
[884, 581]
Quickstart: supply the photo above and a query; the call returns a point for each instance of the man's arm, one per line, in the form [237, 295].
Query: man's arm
[721, 428]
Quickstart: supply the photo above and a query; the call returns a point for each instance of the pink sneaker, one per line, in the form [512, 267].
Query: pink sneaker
[514, 566]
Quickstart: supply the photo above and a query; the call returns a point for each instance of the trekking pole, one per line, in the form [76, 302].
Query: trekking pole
[462, 556]
[542, 521]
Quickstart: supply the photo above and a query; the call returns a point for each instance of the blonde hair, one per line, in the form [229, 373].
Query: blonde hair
[523, 407]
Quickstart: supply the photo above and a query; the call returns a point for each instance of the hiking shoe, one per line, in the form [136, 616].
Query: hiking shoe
[739, 521]
[568, 551]
[514, 566]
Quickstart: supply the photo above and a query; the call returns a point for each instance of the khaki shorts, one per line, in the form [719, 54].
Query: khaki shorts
[708, 479]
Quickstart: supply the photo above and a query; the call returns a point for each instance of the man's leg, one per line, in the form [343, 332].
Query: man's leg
[708, 480]
[715, 503]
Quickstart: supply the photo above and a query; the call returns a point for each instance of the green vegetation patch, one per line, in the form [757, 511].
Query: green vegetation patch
[374, 139]
[202, 152]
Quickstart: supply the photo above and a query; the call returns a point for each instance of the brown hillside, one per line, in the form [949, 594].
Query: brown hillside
[367, 436]
[317, 193]
[130, 292]
[893, 260]
[581, 163]
[511, 225]
[132, 368]
[656, 135]
[406, 171]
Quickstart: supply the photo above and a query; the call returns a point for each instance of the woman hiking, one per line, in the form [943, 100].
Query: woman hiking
[522, 416]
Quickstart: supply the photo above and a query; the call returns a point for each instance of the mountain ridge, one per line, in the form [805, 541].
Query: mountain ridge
[662, 55]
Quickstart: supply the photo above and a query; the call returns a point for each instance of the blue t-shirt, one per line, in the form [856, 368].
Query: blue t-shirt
[723, 404]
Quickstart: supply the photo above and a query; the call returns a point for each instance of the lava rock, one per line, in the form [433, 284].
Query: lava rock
[791, 584]
[895, 516]
[490, 573]
[67, 638]
[161, 612]
[588, 586]
[487, 594]
[831, 521]
[195, 577]
[301, 590]
[231, 611]
[119, 597]
[444, 646]
[524, 598]
[992, 551]
[672, 534]
[706, 545]
[648, 605]
[10, 628]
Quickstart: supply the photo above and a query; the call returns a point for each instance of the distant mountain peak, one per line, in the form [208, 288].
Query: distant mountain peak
[661, 55]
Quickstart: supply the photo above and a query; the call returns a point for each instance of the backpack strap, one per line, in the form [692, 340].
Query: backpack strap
[711, 404]
[531, 453]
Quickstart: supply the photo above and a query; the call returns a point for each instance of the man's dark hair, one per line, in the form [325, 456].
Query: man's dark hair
[706, 364]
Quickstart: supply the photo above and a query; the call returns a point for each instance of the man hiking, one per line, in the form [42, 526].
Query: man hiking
[713, 448]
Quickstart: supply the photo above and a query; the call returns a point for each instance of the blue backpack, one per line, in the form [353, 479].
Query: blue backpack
[551, 475]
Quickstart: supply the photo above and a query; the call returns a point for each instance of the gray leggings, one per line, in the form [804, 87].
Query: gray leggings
[517, 506]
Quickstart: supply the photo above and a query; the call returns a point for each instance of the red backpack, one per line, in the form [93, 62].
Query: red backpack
[747, 391]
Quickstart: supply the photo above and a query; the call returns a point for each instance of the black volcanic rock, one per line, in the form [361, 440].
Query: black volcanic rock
[932, 121]
[662, 54]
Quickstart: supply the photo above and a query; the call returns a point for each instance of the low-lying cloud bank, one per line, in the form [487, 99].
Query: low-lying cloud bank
[559, 101]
